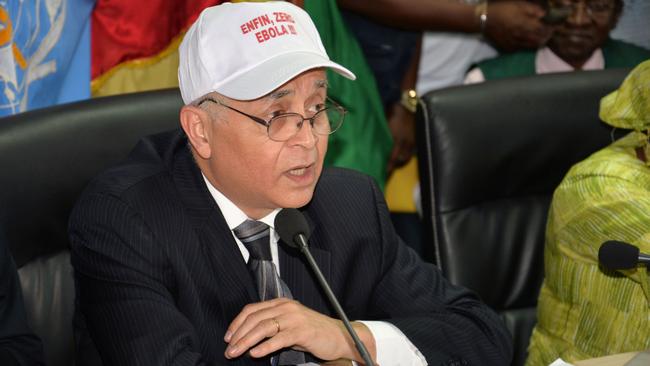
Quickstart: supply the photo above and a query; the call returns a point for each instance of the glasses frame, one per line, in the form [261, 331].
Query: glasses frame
[598, 14]
[267, 124]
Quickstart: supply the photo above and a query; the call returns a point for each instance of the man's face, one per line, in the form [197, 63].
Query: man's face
[585, 30]
[255, 172]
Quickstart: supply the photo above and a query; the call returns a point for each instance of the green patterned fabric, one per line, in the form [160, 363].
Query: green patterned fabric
[364, 141]
[585, 311]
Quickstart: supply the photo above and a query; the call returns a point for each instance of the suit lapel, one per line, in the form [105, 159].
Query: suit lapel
[297, 274]
[228, 272]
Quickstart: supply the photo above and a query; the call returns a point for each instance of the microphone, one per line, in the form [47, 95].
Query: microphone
[293, 229]
[616, 255]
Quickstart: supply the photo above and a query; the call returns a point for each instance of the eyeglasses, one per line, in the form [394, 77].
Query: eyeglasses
[594, 8]
[285, 126]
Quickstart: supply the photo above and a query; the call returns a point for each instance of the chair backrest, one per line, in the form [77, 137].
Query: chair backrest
[490, 158]
[47, 157]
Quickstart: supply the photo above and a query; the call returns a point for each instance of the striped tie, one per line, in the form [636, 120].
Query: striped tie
[255, 237]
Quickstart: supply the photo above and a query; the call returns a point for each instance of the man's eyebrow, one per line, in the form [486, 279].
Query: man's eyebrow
[322, 83]
[318, 84]
[279, 94]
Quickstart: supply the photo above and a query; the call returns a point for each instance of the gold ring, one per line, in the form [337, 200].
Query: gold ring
[277, 325]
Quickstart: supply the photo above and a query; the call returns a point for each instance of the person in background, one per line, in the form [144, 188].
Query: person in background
[175, 252]
[389, 33]
[19, 346]
[391, 53]
[580, 42]
[389, 30]
[585, 310]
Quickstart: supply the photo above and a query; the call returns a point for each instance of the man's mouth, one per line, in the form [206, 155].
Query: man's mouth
[298, 171]
[576, 37]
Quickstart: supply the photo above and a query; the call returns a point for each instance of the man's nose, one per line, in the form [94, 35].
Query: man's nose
[306, 136]
[580, 15]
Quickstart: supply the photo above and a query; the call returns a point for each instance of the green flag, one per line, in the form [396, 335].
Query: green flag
[363, 142]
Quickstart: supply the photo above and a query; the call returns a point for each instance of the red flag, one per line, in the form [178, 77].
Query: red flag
[125, 30]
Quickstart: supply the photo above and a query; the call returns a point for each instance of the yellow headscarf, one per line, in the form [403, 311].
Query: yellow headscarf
[629, 106]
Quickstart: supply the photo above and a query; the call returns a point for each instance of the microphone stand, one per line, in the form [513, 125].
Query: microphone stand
[304, 248]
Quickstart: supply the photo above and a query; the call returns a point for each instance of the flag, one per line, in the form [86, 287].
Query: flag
[364, 141]
[44, 53]
[135, 47]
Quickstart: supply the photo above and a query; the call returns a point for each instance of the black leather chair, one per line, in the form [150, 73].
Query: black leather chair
[47, 157]
[490, 158]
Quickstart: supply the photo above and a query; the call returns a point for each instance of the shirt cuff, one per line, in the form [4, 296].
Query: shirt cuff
[393, 347]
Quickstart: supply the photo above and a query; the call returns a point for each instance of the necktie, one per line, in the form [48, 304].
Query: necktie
[255, 237]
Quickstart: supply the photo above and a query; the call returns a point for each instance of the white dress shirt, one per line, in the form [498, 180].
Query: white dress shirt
[393, 347]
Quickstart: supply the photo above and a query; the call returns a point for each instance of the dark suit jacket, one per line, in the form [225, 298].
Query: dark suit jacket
[159, 276]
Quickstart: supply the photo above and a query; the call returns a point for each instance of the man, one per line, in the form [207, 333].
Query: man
[18, 344]
[580, 42]
[160, 243]
[585, 310]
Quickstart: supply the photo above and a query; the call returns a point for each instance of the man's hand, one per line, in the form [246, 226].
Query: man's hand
[513, 25]
[265, 327]
[402, 127]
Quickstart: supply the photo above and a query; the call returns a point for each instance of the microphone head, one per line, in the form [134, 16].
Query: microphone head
[289, 223]
[618, 255]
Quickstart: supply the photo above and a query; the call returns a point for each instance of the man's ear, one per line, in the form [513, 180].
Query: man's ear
[195, 122]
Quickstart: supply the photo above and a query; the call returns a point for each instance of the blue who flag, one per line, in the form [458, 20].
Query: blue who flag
[44, 53]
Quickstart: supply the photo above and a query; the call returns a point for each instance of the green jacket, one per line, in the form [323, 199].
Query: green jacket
[616, 54]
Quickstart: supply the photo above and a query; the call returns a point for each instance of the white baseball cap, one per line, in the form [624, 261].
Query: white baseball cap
[246, 50]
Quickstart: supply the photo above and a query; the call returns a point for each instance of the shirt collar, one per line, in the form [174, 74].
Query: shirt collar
[234, 215]
[546, 61]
